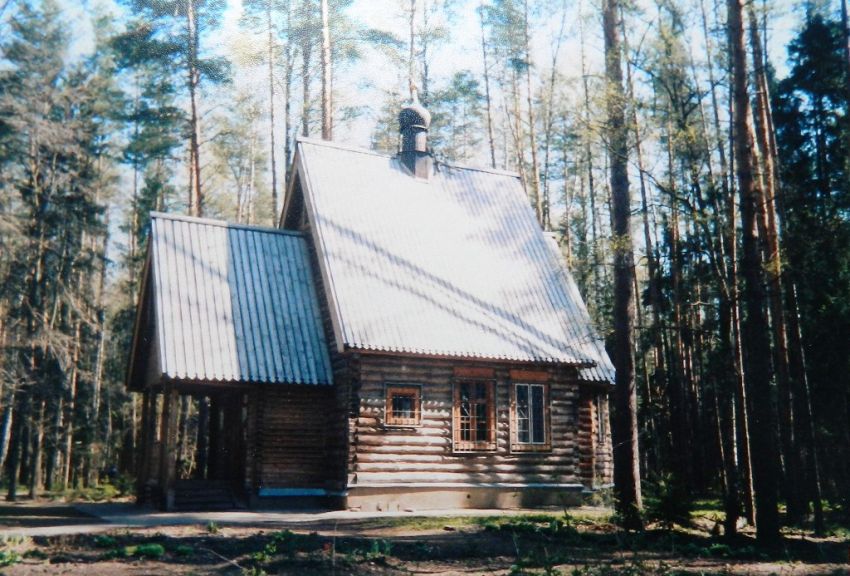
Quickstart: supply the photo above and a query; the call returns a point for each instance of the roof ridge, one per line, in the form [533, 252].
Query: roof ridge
[370, 152]
[224, 224]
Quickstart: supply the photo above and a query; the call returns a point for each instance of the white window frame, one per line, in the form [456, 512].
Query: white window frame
[531, 445]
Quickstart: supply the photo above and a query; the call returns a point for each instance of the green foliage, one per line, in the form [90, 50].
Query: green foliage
[668, 502]
[9, 557]
[457, 112]
[98, 493]
[150, 550]
[184, 550]
[631, 568]
[104, 541]
[147, 550]
[212, 527]
[813, 134]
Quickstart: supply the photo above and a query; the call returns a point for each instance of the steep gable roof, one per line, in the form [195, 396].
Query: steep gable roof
[453, 266]
[230, 304]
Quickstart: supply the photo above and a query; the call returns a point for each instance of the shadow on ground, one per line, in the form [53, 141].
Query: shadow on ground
[38, 515]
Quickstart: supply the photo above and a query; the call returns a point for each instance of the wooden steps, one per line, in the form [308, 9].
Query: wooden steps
[196, 495]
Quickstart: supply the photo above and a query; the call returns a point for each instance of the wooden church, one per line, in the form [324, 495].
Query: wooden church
[409, 338]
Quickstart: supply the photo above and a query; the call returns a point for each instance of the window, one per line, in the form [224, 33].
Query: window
[601, 420]
[474, 416]
[403, 406]
[530, 418]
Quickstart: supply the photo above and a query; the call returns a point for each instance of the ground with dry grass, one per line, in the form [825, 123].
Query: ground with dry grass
[539, 544]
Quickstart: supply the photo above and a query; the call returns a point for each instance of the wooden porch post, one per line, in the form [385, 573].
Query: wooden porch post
[167, 460]
[143, 462]
[214, 446]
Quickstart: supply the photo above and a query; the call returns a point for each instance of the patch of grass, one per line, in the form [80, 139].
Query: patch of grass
[632, 568]
[212, 527]
[838, 531]
[104, 541]
[9, 557]
[118, 552]
[36, 553]
[535, 524]
[705, 506]
[424, 523]
[285, 544]
[184, 550]
[150, 550]
[668, 502]
[99, 493]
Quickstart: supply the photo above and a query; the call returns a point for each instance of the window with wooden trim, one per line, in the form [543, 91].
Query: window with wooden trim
[601, 420]
[474, 411]
[530, 428]
[403, 405]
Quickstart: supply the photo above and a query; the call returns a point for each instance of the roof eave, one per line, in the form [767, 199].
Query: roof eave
[466, 357]
[138, 322]
[303, 175]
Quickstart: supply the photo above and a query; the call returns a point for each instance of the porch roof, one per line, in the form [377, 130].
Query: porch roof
[229, 303]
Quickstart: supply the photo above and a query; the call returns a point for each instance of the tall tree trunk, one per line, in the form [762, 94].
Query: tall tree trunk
[755, 328]
[654, 297]
[536, 197]
[306, 59]
[288, 75]
[624, 429]
[411, 56]
[20, 414]
[35, 478]
[680, 446]
[70, 409]
[426, 68]
[6, 427]
[272, 147]
[807, 422]
[54, 456]
[591, 184]
[195, 195]
[518, 135]
[728, 423]
[488, 100]
[327, 76]
[845, 27]
[549, 122]
[793, 465]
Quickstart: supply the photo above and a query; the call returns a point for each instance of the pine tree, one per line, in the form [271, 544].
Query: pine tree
[624, 423]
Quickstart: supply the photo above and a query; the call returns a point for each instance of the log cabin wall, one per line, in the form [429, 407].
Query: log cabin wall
[603, 455]
[292, 436]
[336, 402]
[595, 448]
[423, 456]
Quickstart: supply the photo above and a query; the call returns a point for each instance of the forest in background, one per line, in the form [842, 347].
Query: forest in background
[701, 201]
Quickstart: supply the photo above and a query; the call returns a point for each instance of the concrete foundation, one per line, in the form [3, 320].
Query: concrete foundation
[410, 498]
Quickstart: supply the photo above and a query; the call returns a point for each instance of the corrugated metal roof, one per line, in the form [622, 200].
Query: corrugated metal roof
[453, 266]
[235, 303]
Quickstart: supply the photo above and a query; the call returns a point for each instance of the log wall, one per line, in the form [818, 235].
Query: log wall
[424, 454]
[292, 448]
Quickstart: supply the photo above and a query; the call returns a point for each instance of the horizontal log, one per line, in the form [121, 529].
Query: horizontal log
[515, 459]
[383, 477]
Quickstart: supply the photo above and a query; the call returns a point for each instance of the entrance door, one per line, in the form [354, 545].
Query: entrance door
[211, 465]
[221, 440]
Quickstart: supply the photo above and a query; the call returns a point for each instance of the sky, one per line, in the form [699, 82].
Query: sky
[359, 84]
[363, 83]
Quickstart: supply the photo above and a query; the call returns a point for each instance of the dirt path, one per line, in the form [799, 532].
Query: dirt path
[122, 540]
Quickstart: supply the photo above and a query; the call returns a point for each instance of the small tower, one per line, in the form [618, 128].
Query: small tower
[413, 122]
